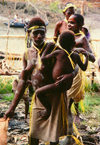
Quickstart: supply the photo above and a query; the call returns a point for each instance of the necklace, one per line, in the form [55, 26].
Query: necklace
[65, 20]
[40, 51]
[69, 56]
[80, 33]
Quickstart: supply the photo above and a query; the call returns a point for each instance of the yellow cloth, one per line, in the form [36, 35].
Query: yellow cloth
[76, 92]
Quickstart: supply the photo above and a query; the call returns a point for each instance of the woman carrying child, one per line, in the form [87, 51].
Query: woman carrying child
[54, 126]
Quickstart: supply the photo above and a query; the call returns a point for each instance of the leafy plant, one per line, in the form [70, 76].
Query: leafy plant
[5, 86]
[95, 87]
[92, 87]
[8, 98]
[54, 6]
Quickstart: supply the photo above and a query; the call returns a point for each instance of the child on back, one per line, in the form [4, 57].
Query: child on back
[65, 61]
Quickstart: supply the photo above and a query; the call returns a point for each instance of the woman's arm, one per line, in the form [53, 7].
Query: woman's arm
[19, 92]
[24, 61]
[87, 48]
[66, 77]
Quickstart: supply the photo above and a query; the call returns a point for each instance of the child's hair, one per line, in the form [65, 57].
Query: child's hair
[36, 21]
[79, 19]
[67, 40]
[68, 5]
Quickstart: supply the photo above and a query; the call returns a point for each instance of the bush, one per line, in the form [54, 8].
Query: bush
[54, 6]
[5, 86]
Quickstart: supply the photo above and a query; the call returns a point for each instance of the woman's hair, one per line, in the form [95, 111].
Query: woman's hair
[67, 39]
[79, 19]
[36, 21]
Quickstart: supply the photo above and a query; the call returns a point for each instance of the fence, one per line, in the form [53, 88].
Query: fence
[13, 59]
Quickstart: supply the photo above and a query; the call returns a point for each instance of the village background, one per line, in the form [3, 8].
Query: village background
[12, 44]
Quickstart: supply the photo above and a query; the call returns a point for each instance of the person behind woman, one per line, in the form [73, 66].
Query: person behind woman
[61, 26]
[75, 23]
[54, 126]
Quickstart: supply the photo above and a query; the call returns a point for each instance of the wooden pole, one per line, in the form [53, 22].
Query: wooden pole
[83, 6]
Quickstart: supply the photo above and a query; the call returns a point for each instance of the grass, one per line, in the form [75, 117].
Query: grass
[92, 97]
[5, 85]
[91, 100]
[7, 97]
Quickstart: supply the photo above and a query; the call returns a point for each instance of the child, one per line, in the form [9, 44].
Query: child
[61, 26]
[65, 61]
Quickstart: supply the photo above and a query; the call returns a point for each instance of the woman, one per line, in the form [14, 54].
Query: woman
[46, 129]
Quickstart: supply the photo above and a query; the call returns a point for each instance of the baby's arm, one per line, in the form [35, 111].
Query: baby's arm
[82, 65]
[47, 89]
[50, 56]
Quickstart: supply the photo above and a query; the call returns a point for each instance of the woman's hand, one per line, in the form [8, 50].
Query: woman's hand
[9, 114]
[63, 78]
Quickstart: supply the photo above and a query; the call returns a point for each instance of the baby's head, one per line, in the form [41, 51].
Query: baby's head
[67, 40]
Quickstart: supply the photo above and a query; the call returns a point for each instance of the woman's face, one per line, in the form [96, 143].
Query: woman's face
[38, 37]
[70, 11]
[72, 24]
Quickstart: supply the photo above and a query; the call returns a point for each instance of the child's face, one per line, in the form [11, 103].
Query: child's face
[70, 11]
[72, 24]
[38, 37]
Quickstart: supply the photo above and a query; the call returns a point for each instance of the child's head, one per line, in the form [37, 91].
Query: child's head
[69, 10]
[37, 30]
[67, 40]
[75, 22]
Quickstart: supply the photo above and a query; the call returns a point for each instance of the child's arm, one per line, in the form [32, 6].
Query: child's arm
[82, 65]
[50, 56]
[80, 50]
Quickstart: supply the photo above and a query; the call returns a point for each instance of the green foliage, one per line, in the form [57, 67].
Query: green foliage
[5, 86]
[8, 97]
[92, 88]
[90, 100]
[95, 87]
[54, 6]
